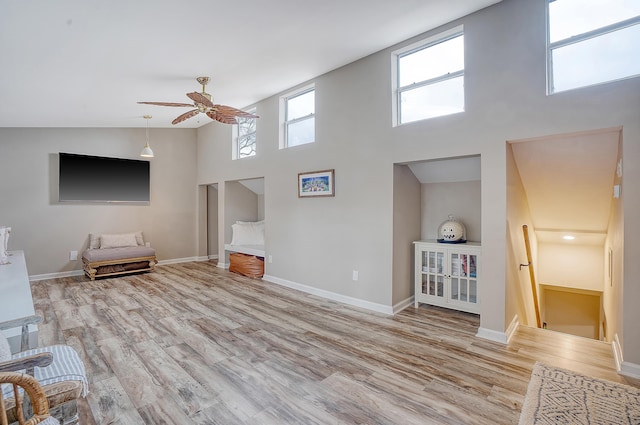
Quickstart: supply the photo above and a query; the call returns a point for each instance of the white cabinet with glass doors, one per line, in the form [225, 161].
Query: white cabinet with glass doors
[447, 275]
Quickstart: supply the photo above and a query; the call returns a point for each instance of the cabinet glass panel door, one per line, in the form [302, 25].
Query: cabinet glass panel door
[463, 285]
[432, 273]
[473, 279]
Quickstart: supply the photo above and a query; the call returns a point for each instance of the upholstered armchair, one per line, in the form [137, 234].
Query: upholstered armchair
[16, 385]
[57, 368]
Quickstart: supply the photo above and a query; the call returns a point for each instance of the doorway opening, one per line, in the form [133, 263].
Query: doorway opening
[566, 189]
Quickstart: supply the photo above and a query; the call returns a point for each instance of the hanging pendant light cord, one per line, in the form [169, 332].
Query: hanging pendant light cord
[147, 152]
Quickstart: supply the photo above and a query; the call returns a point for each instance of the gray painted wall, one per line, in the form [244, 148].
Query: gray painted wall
[318, 242]
[460, 199]
[212, 219]
[47, 230]
[241, 204]
[406, 229]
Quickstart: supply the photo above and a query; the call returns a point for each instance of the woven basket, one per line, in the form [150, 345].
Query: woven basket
[246, 265]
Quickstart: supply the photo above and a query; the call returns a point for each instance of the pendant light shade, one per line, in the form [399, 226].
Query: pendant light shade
[146, 151]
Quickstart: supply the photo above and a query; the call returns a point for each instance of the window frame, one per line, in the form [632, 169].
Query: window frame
[236, 136]
[284, 112]
[579, 38]
[423, 44]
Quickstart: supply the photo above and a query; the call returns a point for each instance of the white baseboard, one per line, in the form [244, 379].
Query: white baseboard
[36, 277]
[631, 370]
[223, 265]
[182, 260]
[617, 352]
[367, 305]
[397, 308]
[512, 328]
[492, 335]
[213, 257]
[501, 337]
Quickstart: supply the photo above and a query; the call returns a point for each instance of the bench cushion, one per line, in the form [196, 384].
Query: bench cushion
[93, 255]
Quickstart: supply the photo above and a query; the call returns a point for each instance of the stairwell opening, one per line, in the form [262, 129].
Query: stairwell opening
[562, 188]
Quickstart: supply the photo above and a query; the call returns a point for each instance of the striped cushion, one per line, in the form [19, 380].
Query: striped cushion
[66, 366]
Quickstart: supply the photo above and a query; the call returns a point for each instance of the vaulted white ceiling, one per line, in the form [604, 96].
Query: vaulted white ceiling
[85, 63]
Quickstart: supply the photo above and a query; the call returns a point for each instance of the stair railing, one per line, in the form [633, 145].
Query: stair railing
[532, 277]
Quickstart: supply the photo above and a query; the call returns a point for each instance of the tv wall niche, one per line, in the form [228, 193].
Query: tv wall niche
[85, 178]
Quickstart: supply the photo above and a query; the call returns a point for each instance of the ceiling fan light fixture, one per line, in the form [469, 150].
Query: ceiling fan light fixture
[146, 151]
[203, 104]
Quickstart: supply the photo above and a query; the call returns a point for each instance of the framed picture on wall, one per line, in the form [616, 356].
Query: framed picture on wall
[316, 183]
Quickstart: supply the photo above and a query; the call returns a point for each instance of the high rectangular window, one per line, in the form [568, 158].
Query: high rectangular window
[430, 78]
[298, 118]
[592, 42]
[245, 137]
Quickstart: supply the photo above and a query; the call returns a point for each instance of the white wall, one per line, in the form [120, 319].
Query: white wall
[571, 266]
[318, 242]
[520, 298]
[47, 230]
[612, 298]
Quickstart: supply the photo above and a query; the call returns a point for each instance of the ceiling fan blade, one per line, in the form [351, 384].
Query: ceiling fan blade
[190, 105]
[185, 116]
[228, 110]
[199, 98]
[225, 119]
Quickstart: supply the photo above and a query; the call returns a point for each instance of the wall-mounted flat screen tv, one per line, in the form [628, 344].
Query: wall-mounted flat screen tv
[85, 178]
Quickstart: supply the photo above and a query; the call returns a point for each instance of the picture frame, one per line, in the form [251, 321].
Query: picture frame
[316, 184]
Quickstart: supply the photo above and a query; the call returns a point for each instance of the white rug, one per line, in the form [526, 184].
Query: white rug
[558, 396]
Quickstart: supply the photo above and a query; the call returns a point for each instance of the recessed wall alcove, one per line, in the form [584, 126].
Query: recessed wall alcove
[425, 193]
[243, 201]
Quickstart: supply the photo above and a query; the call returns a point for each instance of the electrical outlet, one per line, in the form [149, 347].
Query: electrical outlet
[270, 259]
[73, 255]
[355, 275]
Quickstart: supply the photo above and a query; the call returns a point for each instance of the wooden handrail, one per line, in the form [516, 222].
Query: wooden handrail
[532, 276]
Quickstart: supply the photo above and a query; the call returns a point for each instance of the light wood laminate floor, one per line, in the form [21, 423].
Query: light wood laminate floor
[194, 344]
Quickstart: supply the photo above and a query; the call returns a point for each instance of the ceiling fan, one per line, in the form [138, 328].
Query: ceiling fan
[203, 104]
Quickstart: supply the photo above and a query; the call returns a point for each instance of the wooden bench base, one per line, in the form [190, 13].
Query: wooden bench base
[117, 267]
